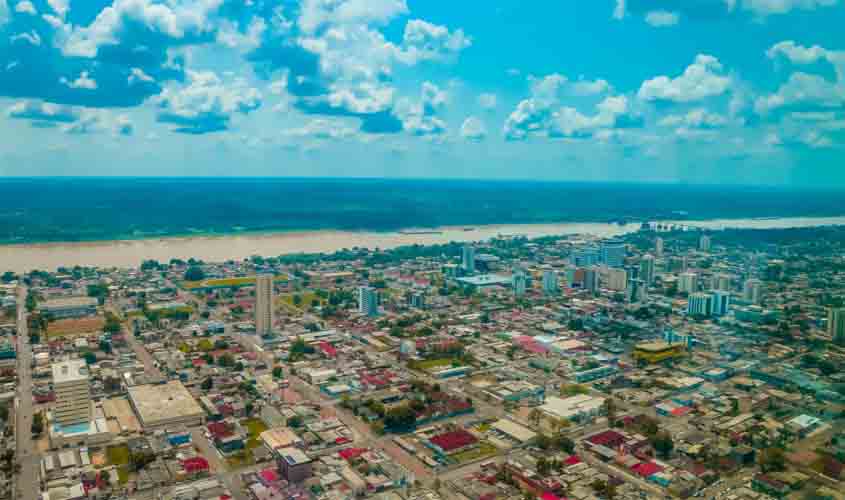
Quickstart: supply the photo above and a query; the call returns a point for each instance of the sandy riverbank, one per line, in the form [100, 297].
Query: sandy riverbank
[129, 253]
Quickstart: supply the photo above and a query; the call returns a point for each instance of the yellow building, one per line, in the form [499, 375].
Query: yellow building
[655, 352]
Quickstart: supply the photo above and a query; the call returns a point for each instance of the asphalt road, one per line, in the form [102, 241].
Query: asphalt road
[27, 484]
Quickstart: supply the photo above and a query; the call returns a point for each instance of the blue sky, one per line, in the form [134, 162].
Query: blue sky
[693, 91]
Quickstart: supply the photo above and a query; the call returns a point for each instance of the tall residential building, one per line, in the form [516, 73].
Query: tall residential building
[836, 324]
[550, 282]
[722, 282]
[752, 291]
[73, 397]
[700, 304]
[704, 243]
[658, 246]
[636, 291]
[647, 269]
[468, 259]
[519, 281]
[586, 257]
[368, 301]
[416, 300]
[591, 279]
[617, 279]
[613, 253]
[721, 302]
[688, 283]
[570, 276]
[263, 304]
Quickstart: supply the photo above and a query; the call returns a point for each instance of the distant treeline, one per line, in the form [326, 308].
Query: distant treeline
[79, 209]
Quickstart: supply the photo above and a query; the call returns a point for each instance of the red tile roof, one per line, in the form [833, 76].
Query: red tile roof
[195, 464]
[646, 469]
[454, 440]
[607, 438]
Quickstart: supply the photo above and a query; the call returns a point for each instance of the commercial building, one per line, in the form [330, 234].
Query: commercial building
[721, 302]
[836, 325]
[573, 408]
[519, 281]
[595, 374]
[658, 246]
[468, 259]
[637, 291]
[294, 464]
[613, 253]
[73, 396]
[482, 281]
[722, 282]
[688, 283]
[647, 269]
[513, 431]
[368, 301]
[704, 243]
[655, 352]
[550, 282]
[585, 257]
[752, 291]
[700, 304]
[416, 300]
[617, 279]
[591, 279]
[264, 304]
[167, 405]
[69, 307]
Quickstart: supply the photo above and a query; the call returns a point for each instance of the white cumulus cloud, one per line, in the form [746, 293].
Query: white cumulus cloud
[473, 129]
[704, 78]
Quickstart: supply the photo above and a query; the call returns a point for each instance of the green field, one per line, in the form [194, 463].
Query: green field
[255, 427]
[117, 455]
[484, 450]
[226, 282]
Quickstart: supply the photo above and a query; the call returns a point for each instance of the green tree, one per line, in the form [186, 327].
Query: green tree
[663, 444]
[194, 273]
[37, 424]
[772, 460]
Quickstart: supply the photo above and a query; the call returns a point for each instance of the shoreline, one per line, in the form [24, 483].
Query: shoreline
[126, 253]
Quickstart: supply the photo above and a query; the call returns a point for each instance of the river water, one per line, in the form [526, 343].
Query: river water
[130, 253]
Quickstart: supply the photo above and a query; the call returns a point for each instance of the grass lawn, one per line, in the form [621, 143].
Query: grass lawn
[123, 474]
[306, 296]
[484, 449]
[227, 282]
[244, 459]
[117, 455]
[255, 427]
[570, 390]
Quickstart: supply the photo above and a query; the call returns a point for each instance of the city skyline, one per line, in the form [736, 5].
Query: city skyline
[737, 92]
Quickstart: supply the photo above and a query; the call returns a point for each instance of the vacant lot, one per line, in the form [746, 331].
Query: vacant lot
[75, 327]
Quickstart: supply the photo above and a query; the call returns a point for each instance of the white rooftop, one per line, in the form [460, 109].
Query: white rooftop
[72, 370]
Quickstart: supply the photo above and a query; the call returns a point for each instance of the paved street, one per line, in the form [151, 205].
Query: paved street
[28, 477]
[142, 354]
[219, 468]
[369, 439]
